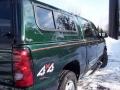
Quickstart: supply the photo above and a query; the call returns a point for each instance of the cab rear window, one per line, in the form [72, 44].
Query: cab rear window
[5, 21]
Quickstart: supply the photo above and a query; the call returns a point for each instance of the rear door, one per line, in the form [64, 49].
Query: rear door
[100, 41]
[90, 38]
[6, 40]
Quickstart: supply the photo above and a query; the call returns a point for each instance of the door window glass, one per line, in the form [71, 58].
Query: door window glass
[64, 22]
[44, 18]
[87, 29]
[96, 32]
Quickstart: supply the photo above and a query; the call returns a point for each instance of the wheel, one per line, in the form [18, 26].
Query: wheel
[104, 59]
[68, 81]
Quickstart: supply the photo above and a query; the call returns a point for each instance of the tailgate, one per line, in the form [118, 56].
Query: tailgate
[6, 40]
[6, 77]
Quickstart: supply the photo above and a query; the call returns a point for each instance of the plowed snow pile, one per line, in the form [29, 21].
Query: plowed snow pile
[109, 77]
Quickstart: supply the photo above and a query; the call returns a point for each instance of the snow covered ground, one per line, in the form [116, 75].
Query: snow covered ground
[109, 77]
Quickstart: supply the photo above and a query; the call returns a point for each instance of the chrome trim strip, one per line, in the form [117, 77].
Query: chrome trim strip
[64, 44]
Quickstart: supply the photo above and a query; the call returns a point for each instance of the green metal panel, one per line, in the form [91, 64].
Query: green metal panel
[47, 48]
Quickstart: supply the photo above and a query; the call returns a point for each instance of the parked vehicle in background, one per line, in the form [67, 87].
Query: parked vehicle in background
[45, 48]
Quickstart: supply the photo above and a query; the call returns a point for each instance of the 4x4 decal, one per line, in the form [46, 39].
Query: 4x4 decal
[47, 68]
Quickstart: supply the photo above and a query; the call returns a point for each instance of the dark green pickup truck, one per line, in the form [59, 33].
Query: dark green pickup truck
[45, 48]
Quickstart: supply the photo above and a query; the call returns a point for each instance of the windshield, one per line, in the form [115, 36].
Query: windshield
[5, 21]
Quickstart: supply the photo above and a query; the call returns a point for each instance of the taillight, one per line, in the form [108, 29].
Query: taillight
[23, 74]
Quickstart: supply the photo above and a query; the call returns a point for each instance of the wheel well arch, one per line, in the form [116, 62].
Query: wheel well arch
[73, 66]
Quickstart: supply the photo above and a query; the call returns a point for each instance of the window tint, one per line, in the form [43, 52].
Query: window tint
[72, 23]
[64, 22]
[5, 21]
[96, 32]
[87, 29]
[59, 19]
[84, 23]
[44, 18]
[93, 26]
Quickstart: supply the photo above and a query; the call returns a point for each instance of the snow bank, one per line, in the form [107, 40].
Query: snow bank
[109, 77]
[113, 48]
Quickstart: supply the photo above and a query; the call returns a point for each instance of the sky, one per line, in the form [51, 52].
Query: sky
[96, 11]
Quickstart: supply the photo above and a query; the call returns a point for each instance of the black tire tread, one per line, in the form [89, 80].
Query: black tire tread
[104, 59]
[63, 78]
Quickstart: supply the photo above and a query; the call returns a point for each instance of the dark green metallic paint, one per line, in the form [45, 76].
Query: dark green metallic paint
[60, 54]
[58, 47]
[47, 47]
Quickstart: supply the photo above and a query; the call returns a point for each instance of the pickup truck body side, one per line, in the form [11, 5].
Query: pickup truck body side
[48, 51]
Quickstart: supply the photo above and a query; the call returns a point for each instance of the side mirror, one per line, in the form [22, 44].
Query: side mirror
[103, 35]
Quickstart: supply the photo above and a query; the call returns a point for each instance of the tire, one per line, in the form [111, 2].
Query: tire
[104, 59]
[68, 81]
